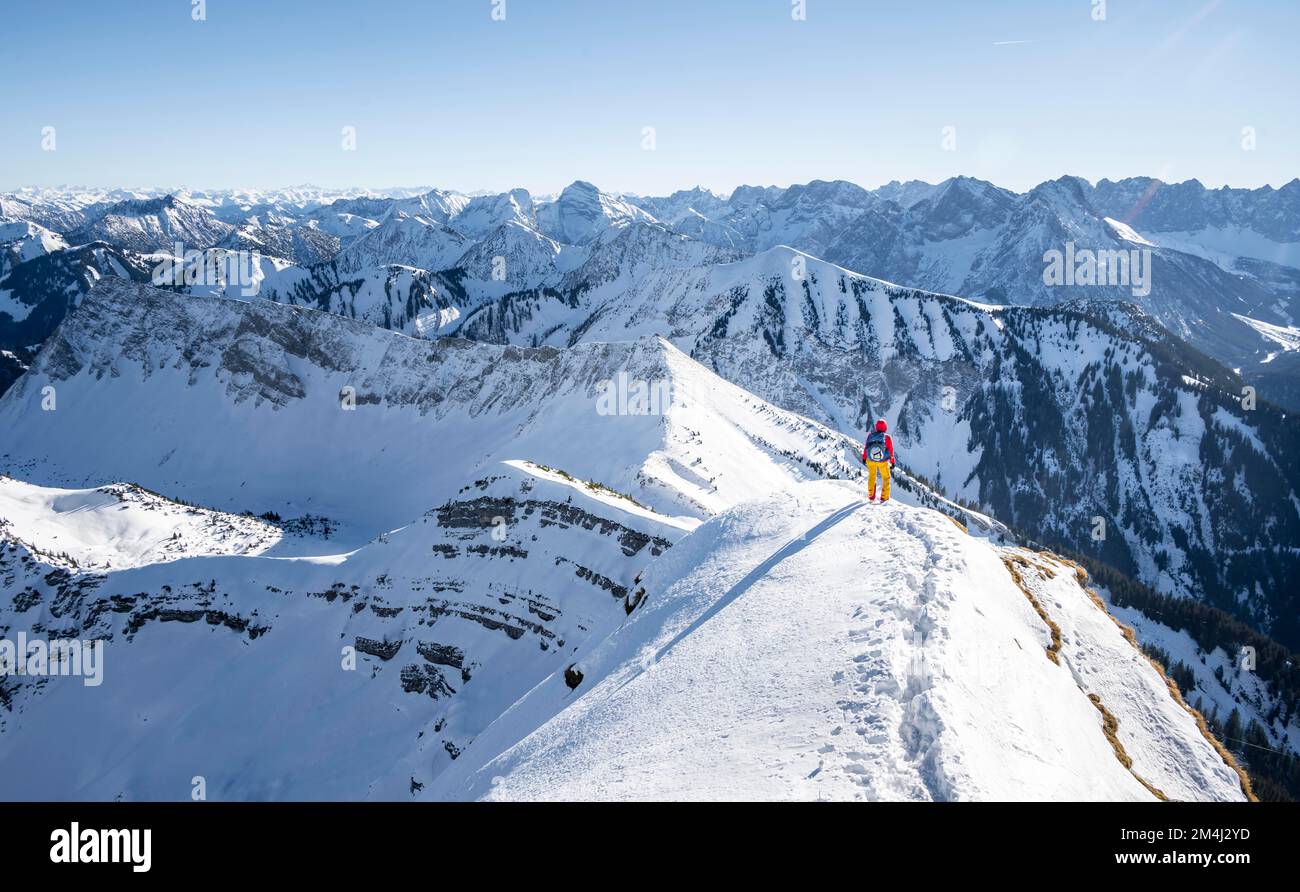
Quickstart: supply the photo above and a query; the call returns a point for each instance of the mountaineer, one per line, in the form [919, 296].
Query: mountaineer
[878, 456]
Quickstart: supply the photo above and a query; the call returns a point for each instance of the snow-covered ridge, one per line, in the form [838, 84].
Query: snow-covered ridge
[816, 646]
[219, 401]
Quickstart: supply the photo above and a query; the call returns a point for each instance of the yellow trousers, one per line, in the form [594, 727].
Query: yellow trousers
[881, 468]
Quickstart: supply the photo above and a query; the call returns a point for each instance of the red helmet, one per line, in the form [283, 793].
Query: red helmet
[881, 426]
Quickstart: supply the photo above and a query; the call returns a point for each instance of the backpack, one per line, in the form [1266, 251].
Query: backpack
[875, 448]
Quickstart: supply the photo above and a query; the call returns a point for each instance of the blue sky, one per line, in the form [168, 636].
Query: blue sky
[737, 91]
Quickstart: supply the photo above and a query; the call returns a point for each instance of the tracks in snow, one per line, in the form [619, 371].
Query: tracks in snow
[897, 642]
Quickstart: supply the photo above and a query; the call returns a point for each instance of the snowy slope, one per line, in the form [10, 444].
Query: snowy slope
[1219, 682]
[37, 294]
[1285, 337]
[515, 254]
[484, 213]
[406, 239]
[156, 224]
[121, 525]
[400, 298]
[385, 660]
[815, 646]
[303, 244]
[21, 241]
[236, 403]
[582, 212]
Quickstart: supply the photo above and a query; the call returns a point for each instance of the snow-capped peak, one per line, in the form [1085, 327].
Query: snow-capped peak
[582, 212]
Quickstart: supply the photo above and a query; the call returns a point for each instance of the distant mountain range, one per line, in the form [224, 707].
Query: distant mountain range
[1224, 263]
[1053, 407]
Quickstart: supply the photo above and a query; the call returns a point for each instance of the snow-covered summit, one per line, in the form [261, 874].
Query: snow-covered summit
[582, 212]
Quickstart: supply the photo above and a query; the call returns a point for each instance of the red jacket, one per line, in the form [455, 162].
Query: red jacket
[889, 448]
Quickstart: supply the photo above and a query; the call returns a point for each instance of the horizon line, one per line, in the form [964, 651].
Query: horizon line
[724, 194]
